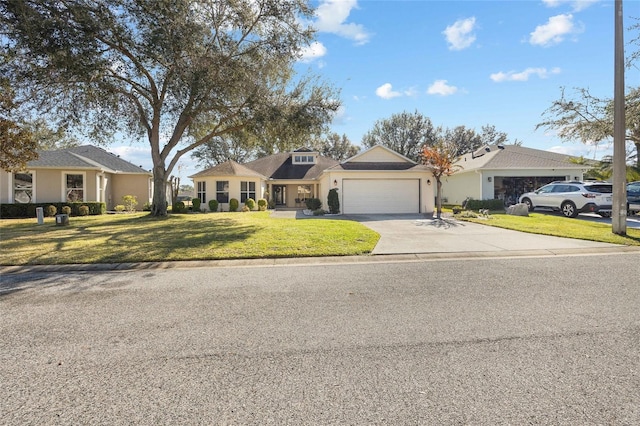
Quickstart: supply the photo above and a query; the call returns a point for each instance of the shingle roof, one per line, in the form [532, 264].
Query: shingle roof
[84, 157]
[228, 168]
[515, 157]
[280, 166]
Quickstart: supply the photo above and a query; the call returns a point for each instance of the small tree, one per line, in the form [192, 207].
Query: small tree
[440, 158]
[333, 201]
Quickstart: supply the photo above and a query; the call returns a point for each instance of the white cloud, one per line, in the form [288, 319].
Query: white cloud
[312, 52]
[523, 75]
[332, 15]
[386, 91]
[440, 87]
[460, 34]
[577, 5]
[554, 31]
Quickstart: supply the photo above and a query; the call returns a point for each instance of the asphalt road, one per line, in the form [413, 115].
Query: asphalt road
[529, 340]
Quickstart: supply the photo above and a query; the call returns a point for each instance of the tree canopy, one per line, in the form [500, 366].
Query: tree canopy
[179, 73]
[581, 116]
[17, 144]
[334, 146]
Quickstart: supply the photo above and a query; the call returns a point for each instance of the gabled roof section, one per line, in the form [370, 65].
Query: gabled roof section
[280, 166]
[228, 168]
[515, 157]
[379, 154]
[85, 157]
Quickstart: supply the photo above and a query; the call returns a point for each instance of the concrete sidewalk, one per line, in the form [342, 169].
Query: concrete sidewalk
[404, 234]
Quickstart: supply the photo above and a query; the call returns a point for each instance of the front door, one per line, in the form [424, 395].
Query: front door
[280, 196]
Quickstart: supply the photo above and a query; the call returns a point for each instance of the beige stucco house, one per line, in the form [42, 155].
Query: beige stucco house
[506, 172]
[79, 174]
[377, 180]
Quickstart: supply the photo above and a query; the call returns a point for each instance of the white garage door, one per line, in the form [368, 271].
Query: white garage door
[362, 196]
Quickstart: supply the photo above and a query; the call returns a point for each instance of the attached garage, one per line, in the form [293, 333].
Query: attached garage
[362, 196]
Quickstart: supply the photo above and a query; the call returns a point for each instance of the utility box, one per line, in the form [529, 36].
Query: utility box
[40, 215]
[62, 219]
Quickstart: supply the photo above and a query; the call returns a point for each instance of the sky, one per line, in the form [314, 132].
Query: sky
[470, 63]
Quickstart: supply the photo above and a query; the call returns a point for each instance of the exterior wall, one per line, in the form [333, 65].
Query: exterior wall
[377, 155]
[427, 184]
[459, 186]
[119, 185]
[234, 189]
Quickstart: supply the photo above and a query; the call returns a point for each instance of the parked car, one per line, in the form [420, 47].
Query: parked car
[633, 197]
[572, 198]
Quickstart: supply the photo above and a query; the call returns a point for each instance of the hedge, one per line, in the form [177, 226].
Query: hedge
[20, 210]
[493, 205]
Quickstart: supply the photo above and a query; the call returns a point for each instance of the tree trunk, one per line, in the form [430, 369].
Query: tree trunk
[438, 198]
[159, 205]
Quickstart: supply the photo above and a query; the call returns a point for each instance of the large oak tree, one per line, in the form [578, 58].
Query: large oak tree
[179, 73]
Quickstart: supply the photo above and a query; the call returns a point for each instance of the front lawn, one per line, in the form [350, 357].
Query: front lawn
[559, 226]
[141, 238]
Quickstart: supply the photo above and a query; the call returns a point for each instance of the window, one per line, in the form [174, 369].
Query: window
[222, 191]
[202, 192]
[23, 188]
[303, 159]
[304, 193]
[74, 188]
[247, 190]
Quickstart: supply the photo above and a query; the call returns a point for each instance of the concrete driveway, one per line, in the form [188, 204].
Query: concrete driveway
[404, 234]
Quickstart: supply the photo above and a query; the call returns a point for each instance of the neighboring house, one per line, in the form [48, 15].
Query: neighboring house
[506, 172]
[377, 180]
[79, 174]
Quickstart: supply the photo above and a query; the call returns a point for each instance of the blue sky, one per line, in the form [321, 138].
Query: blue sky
[467, 63]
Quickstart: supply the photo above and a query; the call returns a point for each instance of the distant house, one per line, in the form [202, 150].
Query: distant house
[377, 180]
[83, 173]
[506, 172]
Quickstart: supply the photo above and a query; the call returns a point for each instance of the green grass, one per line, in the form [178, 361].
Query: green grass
[559, 226]
[142, 238]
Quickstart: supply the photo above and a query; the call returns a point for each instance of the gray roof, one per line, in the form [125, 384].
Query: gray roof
[280, 166]
[515, 157]
[84, 157]
[228, 168]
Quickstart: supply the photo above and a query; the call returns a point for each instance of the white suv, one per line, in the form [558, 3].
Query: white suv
[572, 198]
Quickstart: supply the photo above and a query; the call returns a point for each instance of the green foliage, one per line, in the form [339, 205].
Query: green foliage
[146, 207]
[492, 205]
[333, 201]
[50, 209]
[262, 204]
[313, 203]
[130, 202]
[213, 205]
[319, 212]
[334, 146]
[119, 208]
[83, 210]
[233, 205]
[245, 209]
[195, 204]
[250, 203]
[179, 207]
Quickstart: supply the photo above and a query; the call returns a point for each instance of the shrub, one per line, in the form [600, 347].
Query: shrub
[83, 210]
[262, 204]
[233, 205]
[51, 210]
[195, 203]
[66, 210]
[484, 204]
[250, 203]
[130, 202]
[333, 201]
[119, 208]
[213, 205]
[313, 203]
[245, 209]
[179, 207]
[319, 212]
[146, 207]
[31, 210]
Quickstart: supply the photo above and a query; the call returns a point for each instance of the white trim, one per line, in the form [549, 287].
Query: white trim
[11, 197]
[63, 195]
